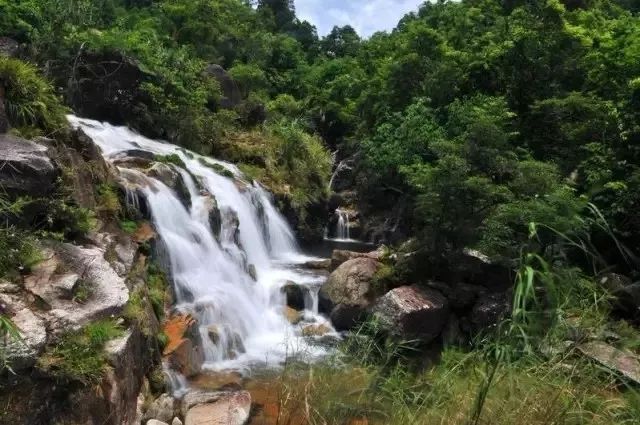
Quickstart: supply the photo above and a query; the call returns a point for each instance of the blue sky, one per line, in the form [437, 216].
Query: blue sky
[366, 16]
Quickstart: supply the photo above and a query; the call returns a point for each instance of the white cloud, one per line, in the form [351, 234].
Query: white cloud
[366, 16]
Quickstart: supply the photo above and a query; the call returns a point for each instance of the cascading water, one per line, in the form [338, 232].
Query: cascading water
[342, 225]
[213, 275]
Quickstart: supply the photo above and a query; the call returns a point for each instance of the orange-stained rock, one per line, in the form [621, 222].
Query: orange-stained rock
[316, 330]
[183, 351]
[293, 316]
[144, 233]
[359, 421]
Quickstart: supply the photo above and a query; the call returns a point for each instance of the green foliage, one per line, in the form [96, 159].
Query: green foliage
[170, 159]
[79, 356]
[30, 100]
[18, 252]
[108, 200]
[128, 226]
[217, 168]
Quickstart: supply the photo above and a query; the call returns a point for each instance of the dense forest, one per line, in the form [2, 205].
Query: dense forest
[509, 128]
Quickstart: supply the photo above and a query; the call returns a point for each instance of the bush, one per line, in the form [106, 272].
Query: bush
[30, 101]
[18, 252]
[79, 356]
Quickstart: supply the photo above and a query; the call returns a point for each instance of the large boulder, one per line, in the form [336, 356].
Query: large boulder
[231, 95]
[489, 310]
[413, 313]
[623, 362]
[162, 409]
[232, 408]
[340, 256]
[347, 294]
[295, 295]
[25, 168]
[106, 85]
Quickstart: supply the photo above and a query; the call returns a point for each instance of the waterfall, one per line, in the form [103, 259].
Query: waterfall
[230, 282]
[342, 226]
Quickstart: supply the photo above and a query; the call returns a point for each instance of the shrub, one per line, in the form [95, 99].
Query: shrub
[79, 356]
[18, 252]
[30, 100]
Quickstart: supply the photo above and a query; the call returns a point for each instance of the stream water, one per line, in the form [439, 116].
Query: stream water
[212, 276]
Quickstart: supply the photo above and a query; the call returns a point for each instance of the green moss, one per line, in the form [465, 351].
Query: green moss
[79, 356]
[83, 291]
[170, 159]
[108, 201]
[217, 168]
[128, 226]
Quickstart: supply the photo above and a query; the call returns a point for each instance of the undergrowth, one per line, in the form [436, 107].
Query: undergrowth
[79, 356]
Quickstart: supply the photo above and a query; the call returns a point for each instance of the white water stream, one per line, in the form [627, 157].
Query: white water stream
[211, 275]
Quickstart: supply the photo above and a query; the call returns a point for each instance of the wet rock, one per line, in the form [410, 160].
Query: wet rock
[293, 316]
[251, 270]
[183, 350]
[144, 233]
[173, 179]
[133, 158]
[231, 95]
[348, 293]
[315, 330]
[339, 256]
[176, 421]
[317, 264]
[26, 169]
[462, 296]
[162, 409]
[622, 362]
[410, 312]
[215, 217]
[489, 310]
[217, 381]
[294, 294]
[228, 409]
[213, 332]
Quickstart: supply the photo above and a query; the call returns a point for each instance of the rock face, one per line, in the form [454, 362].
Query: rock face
[347, 293]
[231, 95]
[22, 354]
[217, 408]
[622, 362]
[25, 167]
[170, 177]
[410, 312]
[104, 291]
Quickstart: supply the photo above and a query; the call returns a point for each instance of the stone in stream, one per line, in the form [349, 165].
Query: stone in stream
[413, 313]
[156, 422]
[294, 294]
[347, 294]
[293, 316]
[162, 409]
[216, 408]
[622, 362]
[317, 264]
[168, 175]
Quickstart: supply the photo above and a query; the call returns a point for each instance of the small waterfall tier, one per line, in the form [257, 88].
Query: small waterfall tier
[229, 251]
